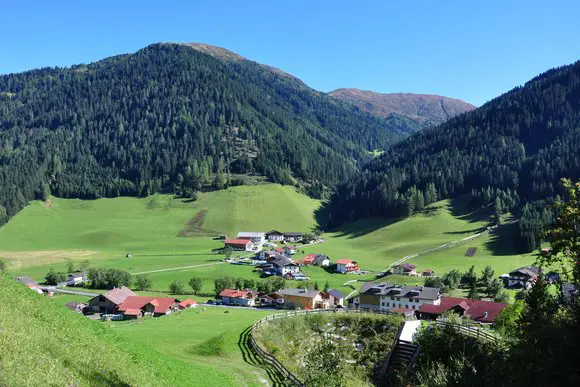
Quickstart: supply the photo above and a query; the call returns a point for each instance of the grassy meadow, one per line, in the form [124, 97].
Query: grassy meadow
[162, 232]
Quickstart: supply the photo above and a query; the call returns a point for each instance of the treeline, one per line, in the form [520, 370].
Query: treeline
[510, 153]
[172, 118]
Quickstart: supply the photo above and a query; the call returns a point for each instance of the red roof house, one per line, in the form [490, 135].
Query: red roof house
[240, 244]
[309, 259]
[156, 306]
[189, 303]
[345, 265]
[238, 297]
[480, 311]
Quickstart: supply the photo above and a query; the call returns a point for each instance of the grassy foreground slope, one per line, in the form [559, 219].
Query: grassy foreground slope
[44, 344]
[200, 337]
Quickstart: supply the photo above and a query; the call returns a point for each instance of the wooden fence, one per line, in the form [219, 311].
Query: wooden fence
[473, 331]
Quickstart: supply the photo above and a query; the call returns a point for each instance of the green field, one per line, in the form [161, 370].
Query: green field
[201, 337]
[152, 229]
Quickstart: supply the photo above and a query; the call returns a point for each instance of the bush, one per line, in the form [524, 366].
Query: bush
[54, 278]
[108, 278]
[176, 287]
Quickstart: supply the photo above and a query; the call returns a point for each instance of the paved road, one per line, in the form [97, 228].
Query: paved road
[178, 268]
[66, 291]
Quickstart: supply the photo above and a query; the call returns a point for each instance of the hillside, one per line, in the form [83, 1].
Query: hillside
[178, 118]
[427, 110]
[45, 344]
[509, 153]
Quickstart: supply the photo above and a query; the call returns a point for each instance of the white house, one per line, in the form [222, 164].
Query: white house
[284, 265]
[405, 269]
[523, 277]
[258, 238]
[238, 297]
[76, 278]
[386, 296]
[275, 236]
[293, 236]
[321, 260]
[346, 265]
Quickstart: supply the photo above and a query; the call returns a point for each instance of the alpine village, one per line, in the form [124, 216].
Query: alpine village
[180, 215]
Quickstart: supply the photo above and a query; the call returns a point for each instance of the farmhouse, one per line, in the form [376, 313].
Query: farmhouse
[284, 265]
[321, 260]
[307, 299]
[481, 311]
[257, 238]
[274, 236]
[405, 269]
[428, 273]
[240, 244]
[136, 306]
[109, 302]
[386, 296]
[293, 236]
[238, 297]
[523, 277]
[346, 265]
[309, 259]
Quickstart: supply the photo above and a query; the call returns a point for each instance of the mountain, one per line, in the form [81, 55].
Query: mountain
[509, 153]
[428, 110]
[175, 117]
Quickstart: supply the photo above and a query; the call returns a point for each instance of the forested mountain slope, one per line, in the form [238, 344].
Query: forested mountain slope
[173, 116]
[511, 153]
[427, 110]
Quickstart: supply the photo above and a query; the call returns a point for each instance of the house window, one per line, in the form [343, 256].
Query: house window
[413, 307]
[417, 301]
[382, 304]
[398, 298]
[406, 306]
[392, 298]
[388, 304]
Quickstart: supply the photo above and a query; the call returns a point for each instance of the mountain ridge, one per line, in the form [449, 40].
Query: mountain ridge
[428, 109]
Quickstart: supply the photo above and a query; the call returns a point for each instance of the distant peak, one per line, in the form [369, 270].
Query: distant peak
[215, 51]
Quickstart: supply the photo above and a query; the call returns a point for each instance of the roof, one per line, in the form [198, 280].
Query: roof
[245, 234]
[188, 302]
[281, 261]
[233, 293]
[118, 295]
[336, 293]
[319, 258]
[291, 234]
[475, 309]
[427, 270]
[77, 274]
[132, 312]
[530, 271]
[310, 257]
[242, 242]
[407, 266]
[274, 232]
[299, 292]
[344, 261]
[390, 289]
[568, 291]
[161, 304]
[26, 281]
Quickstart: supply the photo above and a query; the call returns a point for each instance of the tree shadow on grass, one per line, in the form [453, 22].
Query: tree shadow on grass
[504, 240]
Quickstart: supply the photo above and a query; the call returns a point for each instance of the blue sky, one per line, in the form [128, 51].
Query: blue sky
[472, 50]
